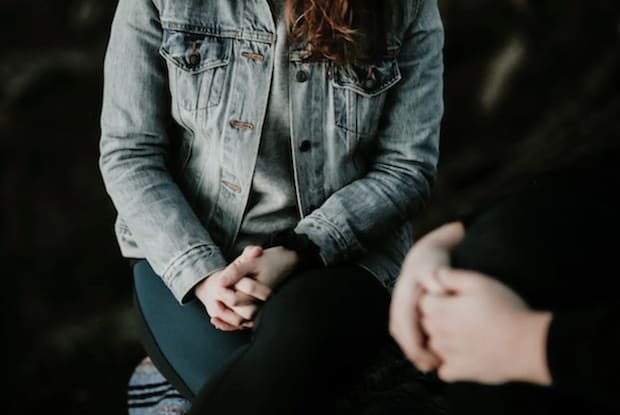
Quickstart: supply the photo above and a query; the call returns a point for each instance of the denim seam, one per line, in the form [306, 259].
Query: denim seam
[172, 271]
[235, 34]
[342, 237]
[416, 11]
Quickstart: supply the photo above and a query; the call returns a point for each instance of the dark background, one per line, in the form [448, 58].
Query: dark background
[531, 86]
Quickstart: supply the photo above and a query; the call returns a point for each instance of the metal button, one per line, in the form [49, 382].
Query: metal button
[194, 59]
[370, 83]
[305, 146]
[302, 76]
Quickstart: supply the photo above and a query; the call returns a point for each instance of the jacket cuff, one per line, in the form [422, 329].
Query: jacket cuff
[307, 251]
[336, 242]
[190, 268]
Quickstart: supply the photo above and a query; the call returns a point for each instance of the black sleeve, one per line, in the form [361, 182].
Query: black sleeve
[583, 352]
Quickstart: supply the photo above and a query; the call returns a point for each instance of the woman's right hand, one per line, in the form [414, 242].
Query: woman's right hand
[230, 309]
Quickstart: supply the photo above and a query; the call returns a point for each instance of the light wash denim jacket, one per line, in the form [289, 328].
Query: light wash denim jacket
[185, 98]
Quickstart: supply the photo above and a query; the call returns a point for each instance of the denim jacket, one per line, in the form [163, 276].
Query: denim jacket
[186, 87]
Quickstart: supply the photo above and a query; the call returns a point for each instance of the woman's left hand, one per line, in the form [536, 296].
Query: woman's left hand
[484, 332]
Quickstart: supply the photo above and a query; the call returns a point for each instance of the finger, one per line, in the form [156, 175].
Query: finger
[426, 359]
[406, 329]
[242, 299]
[248, 325]
[432, 285]
[236, 270]
[457, 280]
[227, 315]
[447, 236]
[438, 346]
[229, 297]
[253, 288]
[248, 312]
[222, 325]
[252, 251]
[431, 305]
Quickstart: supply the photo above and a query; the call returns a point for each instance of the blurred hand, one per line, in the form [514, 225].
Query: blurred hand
[229, 307]
[483, 332]
[417, 277]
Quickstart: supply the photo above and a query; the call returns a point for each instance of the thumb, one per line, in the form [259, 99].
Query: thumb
[252, 251]
[236, 270]
[447, 236]
[458, 280]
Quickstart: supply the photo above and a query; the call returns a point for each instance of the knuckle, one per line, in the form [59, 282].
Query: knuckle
[233, 268]
[251, 288]
[233, 300]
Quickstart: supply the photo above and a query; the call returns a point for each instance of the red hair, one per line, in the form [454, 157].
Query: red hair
[331, 28]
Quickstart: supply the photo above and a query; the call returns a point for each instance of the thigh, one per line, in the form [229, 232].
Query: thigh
[180, 339]
[312, 337]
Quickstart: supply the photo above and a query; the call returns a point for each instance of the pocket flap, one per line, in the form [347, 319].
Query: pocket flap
[368, 79]
[195, 52]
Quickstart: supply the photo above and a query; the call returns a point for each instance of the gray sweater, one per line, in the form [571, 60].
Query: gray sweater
[272, 204]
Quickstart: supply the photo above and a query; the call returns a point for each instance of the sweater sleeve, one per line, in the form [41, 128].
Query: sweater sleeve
[583, 352]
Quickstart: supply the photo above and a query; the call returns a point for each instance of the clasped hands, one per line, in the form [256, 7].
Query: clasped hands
[233, 296]
[466, 325]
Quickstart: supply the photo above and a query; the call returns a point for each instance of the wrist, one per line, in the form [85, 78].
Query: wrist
[534, 366]
[292, 256]
[304, 253]
[202, 286]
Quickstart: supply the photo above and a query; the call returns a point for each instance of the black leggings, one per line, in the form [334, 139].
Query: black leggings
[314, 334]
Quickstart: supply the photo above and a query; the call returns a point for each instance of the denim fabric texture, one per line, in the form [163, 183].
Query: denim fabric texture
[186, 87]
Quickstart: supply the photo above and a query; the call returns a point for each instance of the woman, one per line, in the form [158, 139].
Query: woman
[267, 157]
[529, 324]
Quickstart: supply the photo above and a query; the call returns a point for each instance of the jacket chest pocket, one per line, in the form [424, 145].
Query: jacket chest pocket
[196, 66]
[359, 94]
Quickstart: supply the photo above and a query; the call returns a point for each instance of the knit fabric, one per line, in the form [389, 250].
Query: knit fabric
[149, 393]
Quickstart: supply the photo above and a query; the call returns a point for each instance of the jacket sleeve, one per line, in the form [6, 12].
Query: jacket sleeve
[400, 176]
[134, 149]
[582, 353]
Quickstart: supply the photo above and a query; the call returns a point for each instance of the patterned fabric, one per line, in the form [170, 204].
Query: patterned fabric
[149, 393]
